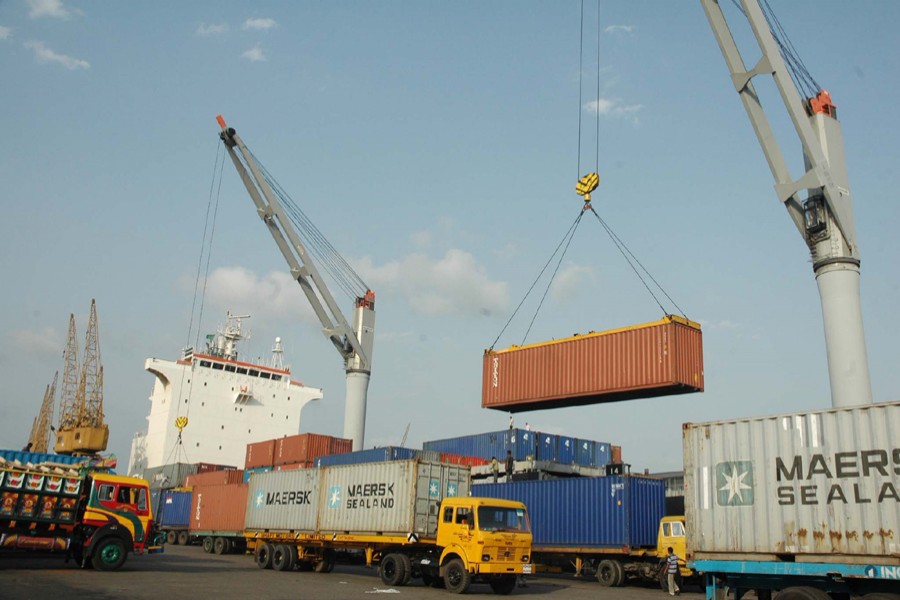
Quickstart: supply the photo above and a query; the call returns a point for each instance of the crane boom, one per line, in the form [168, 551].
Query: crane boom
[825, 218]
[354, 343]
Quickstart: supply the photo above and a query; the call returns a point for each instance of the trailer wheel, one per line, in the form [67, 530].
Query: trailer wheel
[881, 596]
[109, 554]
[208, 544]
[220, 545]
[284, 557]
[620, 573]
[183, 538]
[264, 555]
[407, 569]
[327, 563]
[802, 592]
[392, 569]
[607, 573]
[171, 537]
[456, 578]
[503, 584]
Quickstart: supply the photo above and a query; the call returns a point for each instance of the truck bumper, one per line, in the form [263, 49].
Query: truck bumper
[498, 568]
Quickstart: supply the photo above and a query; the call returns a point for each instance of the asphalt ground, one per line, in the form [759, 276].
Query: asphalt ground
[188, 572]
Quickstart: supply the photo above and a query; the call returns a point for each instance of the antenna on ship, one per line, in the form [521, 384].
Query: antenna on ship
[278, 355]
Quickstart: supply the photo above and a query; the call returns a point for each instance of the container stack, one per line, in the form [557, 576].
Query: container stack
[292, 452]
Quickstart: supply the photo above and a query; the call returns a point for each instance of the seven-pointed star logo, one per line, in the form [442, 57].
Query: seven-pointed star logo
[334, 496]
[734, 483]
[260, 498]
[451, 489]
[433, 488]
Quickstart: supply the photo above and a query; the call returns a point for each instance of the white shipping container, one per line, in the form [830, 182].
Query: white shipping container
[389, 497]
[283, 500]
[815, 486]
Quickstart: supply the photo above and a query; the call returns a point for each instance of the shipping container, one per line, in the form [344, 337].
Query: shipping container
[565, 450]
[218, 509]
[260, 454]
[587, 512]
[459, 459]
[203, 467]
[302, 447]
[173, 509]
[306, 464]
[283, 500]
[367, 456]
[615, 455]
[485, 445]
[525, 445]
[249, 472]
[214, 478]
[340, 446]
[168, 476]
[654, 359]
[820, 486]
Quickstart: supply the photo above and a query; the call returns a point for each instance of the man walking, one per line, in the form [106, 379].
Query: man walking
[672, 571]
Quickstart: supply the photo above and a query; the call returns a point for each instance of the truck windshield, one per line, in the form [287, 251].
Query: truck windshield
[496, 518]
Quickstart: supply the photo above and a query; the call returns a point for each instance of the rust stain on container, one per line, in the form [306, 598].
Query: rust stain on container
[654, 359]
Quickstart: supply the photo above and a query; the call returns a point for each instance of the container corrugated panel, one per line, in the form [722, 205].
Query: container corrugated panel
[340, 446]
[260, 454]
[547, 446]
[283, 500]
[214, 478]
[174, 508]
[584, 452]
[218, 508]
[169, 476]
[302, 447]
[39, 457]
[306, 464]
[388, 497]
[601, 454]
[565, 450]
[249, 472]
[654, 359]
[615, 454]
[367, 456]
[485, 445]
[823, 483]
[587, 512]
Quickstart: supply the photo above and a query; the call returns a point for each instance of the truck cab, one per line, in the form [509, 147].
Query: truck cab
[483, 539]
[672, 534]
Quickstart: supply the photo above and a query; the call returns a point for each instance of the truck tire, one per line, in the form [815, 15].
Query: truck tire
[503, 584]
[183, 538]
[620, 573]
[802, 592]
[327, 563]
[607, 573]
[263, 555]
[392, 569]
[220, 545]
[407, 569]
[284, 557]
[456, 578]
[109, 554]
[208, 544]
[172, 537]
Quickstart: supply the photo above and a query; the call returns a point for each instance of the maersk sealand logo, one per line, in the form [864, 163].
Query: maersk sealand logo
[734, 483]
[334, 496]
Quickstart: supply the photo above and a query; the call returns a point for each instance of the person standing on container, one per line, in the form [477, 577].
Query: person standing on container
[672, 571]
[495, 467]
[509, 465]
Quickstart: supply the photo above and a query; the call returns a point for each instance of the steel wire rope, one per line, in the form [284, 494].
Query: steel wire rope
[799, 73]
[568, 234]
[597, 153]
[580, 87]
[626, 252]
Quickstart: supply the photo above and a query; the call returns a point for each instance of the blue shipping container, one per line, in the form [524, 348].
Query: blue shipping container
[174, 509]
[547, 447]
[384, 454]
[584, 453]
[587, 512]
[40, 457]
[601, 454]
[526, 445]
[483, 445]
[565, 450]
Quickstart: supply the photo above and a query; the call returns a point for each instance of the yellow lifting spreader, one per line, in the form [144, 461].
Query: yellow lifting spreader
[586, 185]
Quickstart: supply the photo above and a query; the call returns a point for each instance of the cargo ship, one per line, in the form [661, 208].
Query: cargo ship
[228, 403]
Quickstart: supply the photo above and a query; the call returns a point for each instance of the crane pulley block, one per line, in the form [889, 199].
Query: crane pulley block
[586, 185]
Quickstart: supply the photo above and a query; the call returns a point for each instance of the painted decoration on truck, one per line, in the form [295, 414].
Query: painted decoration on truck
[28, 505]
[8, 503]
[65, 510]
[14, 480]
[48, 505]
[34, 483]
[72, 486]
[734, 483]
[53, 484]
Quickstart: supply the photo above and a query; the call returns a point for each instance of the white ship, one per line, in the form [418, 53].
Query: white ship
[227, 403]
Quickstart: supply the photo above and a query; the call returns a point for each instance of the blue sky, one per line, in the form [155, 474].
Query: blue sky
[436, 145]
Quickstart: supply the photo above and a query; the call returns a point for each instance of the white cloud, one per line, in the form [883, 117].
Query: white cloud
[452, 285]
[254, 54]
[43, 54]
[568, 280]
[212, 29]
[421, 239]
[618, 28]
[614, 108]
[46, 342]
[274, 295]
[5, 32]
[48, 8]
[259, 24]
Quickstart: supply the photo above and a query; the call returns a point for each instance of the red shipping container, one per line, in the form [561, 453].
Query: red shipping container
[340, 446]
[306, 464]
[260, 454]
[218, 508]
[465, 461]
[654, 359]
[615, 454]
[304, 447]
[214, 478]
[206, 467]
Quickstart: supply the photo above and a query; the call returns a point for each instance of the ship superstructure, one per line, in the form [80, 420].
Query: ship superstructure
[228, 403]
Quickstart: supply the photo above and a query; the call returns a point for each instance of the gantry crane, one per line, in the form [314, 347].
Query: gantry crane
[354, 343]
[81, 428]
[39, 440]
[825, 217]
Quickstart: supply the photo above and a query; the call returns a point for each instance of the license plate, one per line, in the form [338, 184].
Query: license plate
[526, 569]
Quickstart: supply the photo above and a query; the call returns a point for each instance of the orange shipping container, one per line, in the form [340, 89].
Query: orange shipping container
[654, 359]
[303, 447]
[306, 464]
[260, 454]
[341, 446]
[214, 478]
[218, 508]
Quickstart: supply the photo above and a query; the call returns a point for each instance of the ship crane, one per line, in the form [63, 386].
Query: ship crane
[825, 217]
[353, 342]
[39, 441]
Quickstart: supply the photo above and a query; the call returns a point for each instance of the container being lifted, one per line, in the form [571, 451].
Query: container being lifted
[661, 358]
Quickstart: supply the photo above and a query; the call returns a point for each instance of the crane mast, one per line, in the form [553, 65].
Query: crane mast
[40, 429]
[825, 217]
[353, 342]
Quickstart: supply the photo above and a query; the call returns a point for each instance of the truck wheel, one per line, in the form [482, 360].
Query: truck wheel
[264, 555]
[620, 573]
[881, 596]
[456, 578]
[171, 537]
[183, 538]
[208, 545]
[802, 593]
[607, 573]
[283, 557]
[392, 569]
[407, 568]
[503, 584]
[220, 545]
[109, 554]
[327, 563]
